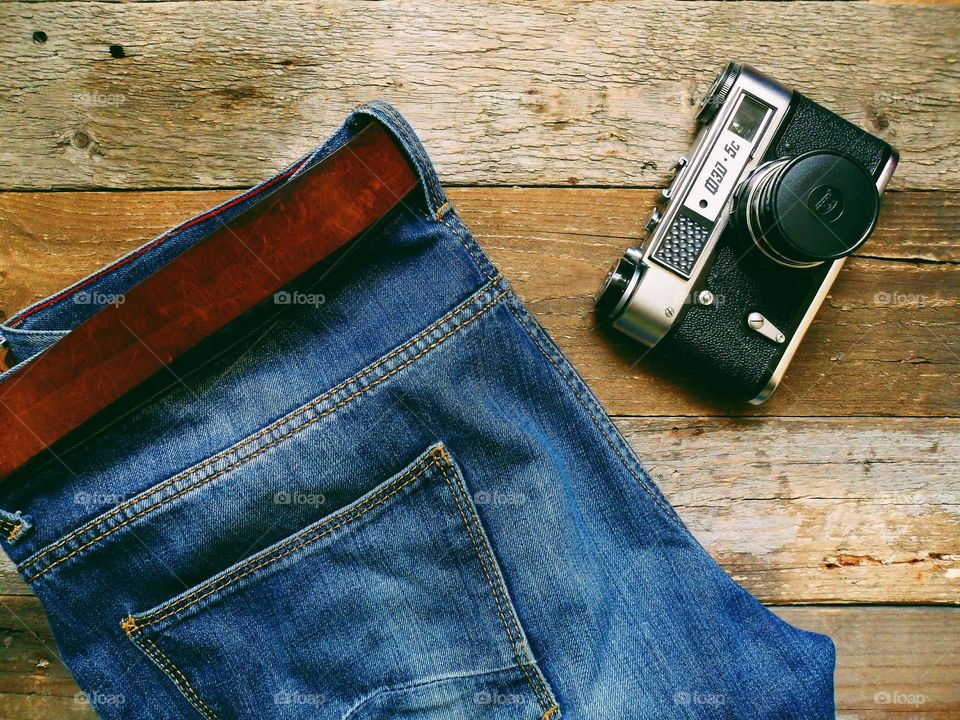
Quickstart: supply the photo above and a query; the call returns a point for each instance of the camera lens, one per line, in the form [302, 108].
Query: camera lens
[614, 287]
[815, 207]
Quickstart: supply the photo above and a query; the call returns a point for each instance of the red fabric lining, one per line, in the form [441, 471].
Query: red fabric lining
[167, 235]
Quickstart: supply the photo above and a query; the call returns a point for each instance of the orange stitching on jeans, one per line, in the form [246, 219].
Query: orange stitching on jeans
[255, 564]
[426, 167]
[436, 458]
[12, 537]
[401, 127]
[493, 569]
[264, 431]
[264, 448]
[666, 508]
[173, 672]
[168, 667]
[493, 566]
[515, 643]
[519, 652]
[442, 209]
[260, 433]
[550, 713]
[466, 246]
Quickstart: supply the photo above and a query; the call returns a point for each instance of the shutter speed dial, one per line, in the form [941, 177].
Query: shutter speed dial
[717, 93]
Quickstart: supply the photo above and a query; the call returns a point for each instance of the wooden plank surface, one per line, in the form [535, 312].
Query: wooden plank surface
[886, 342]
[841, 491]
[504, 92]
[822, 509]
[798, 510]
[892, 662]
[817, 510]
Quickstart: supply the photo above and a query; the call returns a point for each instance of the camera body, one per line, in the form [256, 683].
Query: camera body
[776, 193]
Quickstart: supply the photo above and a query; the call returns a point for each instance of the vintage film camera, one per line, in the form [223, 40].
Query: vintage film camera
[776, 193]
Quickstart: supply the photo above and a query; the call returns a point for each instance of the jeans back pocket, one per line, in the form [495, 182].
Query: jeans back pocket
[393, 606]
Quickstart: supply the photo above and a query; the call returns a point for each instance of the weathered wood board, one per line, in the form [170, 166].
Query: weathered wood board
[801, 510]
[892, 662]
[840, 492]
[504, 92]
[886, 342]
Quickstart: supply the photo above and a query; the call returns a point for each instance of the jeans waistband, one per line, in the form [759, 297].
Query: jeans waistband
[419, 267]
[39, 325]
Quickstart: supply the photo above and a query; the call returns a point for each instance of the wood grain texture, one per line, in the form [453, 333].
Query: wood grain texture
[600, 93]
[34, 684]
[829, 493]
[816, 510]
[892, 662]
[807, 510]
[885, 343]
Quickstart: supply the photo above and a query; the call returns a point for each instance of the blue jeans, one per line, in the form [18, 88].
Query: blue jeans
[383, 493]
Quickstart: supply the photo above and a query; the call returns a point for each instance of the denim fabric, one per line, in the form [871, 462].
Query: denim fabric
[386, 494]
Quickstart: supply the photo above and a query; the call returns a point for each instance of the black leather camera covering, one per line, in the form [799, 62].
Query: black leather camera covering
[714, 341]
[812, 127]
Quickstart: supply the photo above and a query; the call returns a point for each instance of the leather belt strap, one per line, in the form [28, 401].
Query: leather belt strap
[235, 267]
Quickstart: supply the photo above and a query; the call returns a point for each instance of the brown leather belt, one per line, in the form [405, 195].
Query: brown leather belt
[235, 267]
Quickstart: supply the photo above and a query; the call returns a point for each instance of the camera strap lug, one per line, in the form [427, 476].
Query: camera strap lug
[655, 217]
[667, 192]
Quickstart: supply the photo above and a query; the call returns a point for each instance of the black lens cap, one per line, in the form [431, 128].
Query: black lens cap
[826, 205]
[614, 287]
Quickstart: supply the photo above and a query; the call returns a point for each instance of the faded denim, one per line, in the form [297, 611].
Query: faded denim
[384, 494]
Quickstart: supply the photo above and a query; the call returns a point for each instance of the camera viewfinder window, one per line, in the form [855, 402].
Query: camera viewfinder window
[748, 118]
